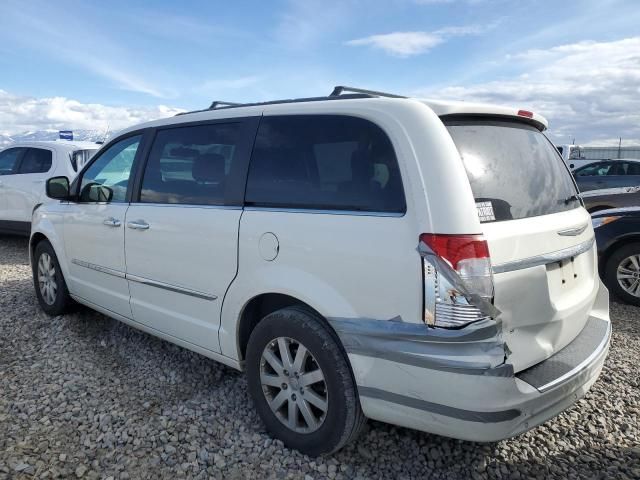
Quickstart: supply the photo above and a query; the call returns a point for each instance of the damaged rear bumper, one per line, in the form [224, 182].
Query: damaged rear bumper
[455, 386]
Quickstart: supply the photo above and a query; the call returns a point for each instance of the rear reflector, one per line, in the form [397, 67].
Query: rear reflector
[525, 113]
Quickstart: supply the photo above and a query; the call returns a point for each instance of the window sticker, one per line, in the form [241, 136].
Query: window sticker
[485, 211]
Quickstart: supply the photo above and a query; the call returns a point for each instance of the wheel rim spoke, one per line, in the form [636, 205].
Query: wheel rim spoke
[311, 378]
[301, 356]
[273, 361]
[277, 402]
[307, 415]
[316, 400]
[271, 380]
[285, 354]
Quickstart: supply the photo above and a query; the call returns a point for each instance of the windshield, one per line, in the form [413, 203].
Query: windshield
[514, 171]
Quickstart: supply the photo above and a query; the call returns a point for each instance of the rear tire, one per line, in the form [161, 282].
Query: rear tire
[330, 401]
[625, 263]
[49, 283]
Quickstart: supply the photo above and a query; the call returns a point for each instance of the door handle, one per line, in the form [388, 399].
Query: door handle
[138, 225]
[112, 222]
[38, 181]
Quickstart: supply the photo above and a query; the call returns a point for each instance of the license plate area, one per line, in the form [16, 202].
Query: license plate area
[569, 279]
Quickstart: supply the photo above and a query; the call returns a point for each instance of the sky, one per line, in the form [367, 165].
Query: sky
[98, 65]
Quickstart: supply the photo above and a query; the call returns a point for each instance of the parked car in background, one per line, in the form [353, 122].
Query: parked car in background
[423, 263]
[608, 198]
[608, 174]
[24, 168]
[618, 238]
[576, 156]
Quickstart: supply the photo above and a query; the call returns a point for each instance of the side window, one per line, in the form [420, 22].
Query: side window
[36, 160]
[191, 165]
[9, 160]
[595, 169]
[326, 162]
[111, 169]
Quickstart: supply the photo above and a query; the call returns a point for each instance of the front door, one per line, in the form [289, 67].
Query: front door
[94, 229]
[181, 232]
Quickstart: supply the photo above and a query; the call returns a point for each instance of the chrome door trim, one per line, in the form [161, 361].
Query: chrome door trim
[98, 268]
[546, 258]
[187, 205]
[573, 232]
[171, 288]
[357, 213]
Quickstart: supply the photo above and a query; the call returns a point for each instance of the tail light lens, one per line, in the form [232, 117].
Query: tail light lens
[457, 269]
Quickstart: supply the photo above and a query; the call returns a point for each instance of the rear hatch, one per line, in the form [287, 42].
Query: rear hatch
[540, 238]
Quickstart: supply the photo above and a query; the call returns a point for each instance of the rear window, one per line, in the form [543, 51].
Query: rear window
[514, 171]
[324, 162]
[36, 160]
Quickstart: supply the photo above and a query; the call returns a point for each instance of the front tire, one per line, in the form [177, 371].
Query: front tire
[51, 288]
[301, 383]
[622, 273]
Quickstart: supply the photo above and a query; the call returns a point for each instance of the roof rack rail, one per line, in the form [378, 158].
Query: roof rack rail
[339, 89]
[220, 103]
[339, 93]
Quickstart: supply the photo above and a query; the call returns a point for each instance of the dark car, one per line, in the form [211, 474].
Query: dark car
[605, 199]
[618, 239]
[608, 174]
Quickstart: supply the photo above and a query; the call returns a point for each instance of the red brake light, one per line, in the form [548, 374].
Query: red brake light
[525, 113]
[454, 248]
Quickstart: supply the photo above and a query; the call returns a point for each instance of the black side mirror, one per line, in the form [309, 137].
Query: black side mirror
[99, 193]
[58, 188]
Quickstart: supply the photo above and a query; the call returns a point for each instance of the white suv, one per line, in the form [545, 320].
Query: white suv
[24, 168]
[361, 255]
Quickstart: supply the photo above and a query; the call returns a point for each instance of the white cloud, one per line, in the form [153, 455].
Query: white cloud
[407, 44]
[20, 114]
[588, 90]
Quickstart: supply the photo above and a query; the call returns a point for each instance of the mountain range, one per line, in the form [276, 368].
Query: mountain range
[40, 135]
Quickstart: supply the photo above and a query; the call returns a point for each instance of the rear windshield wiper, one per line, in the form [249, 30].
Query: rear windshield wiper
[572, 198]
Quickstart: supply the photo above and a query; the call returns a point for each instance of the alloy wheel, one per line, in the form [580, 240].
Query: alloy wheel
[47, 279]
[294, 385]
[628, 275]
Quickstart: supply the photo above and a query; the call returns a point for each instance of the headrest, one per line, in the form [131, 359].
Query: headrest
[209, 167]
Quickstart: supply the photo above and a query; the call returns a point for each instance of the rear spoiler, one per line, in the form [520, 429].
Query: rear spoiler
[460, 117]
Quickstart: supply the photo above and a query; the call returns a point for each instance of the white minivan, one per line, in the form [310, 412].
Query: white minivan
[24, 168]
[361, 255]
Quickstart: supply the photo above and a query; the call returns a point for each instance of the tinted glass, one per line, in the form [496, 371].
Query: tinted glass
[594, 170]
[513, 169]
[36, 160]
[111, 169]
[324, 162]
[191, 165]
[9, 160]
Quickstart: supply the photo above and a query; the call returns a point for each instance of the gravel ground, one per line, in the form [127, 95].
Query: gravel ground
[88, 397]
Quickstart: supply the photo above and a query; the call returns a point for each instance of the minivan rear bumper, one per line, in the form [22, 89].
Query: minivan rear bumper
[488, 406]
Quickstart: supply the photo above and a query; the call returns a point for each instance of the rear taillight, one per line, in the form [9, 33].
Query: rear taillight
[457, 279]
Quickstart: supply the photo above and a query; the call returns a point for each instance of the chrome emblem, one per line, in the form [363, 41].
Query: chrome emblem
[572, 232]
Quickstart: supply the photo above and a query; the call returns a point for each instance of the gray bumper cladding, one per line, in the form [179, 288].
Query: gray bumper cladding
[475, 350]
[571, 359]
